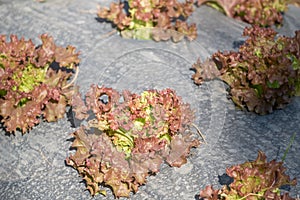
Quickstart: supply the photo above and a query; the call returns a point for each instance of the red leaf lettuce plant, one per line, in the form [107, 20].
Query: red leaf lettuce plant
[256, 12]
[263, 75]
[30, 88]
[152, 19]
[256, 180]
[129, 137]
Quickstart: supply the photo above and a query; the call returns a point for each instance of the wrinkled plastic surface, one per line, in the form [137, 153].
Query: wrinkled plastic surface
[33, 166]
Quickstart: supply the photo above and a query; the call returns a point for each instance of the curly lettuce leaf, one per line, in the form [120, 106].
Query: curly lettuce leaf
[129, 136]
[263, 74]
[256, 12]
[157, 20]
[30, 89]
[256, 179]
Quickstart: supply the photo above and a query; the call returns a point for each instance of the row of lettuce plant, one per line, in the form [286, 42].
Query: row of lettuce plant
[128, 136]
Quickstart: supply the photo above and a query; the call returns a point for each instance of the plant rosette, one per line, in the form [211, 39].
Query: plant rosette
[255, 180]
[34, 81]
[256, 12]
[263, 75]
[151, 19]
[129, 136]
